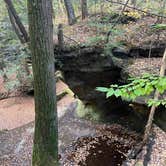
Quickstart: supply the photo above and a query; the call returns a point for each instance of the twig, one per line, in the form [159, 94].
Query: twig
[151, 14]
[109, 33]
[71, 39]
[6, 96]
[121, 152]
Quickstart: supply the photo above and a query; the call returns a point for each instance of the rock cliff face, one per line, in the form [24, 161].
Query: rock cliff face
[86, 69]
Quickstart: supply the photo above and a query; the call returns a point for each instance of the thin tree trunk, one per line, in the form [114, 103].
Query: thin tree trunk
[156, 97]
[60, 37]
[17, 19]
[84, 9]
[148, 127]
[15, 27]
[70, 12]
[117, 21]
[45, 149]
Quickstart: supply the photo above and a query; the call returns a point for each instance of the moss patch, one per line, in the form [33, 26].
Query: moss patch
[90, 111]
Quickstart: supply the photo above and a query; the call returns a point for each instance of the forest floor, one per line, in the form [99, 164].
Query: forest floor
[131, 32]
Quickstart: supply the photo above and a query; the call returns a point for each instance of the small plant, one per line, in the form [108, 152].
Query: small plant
[140, 86]
[134, 14]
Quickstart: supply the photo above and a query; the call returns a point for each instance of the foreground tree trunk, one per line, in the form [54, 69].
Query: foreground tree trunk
[16, 22]
[84, 9]
[45, 149]
[70, 12]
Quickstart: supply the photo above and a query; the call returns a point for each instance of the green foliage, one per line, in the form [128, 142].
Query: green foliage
[159, 26]
[140, 86]
[13, 54]
[16, 72]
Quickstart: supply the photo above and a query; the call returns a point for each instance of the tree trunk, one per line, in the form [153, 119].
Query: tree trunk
[84, 9]
[60, 37]
[156, 97]
[70, 12]
[137, 150]
[45, 149]
[17, 20]
[15, 27]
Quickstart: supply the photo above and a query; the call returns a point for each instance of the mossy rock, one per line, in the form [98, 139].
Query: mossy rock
[88, 111]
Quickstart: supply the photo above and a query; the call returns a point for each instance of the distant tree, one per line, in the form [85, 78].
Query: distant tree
[45, 149]
[84, 8]
[16, 22]
[70, 12]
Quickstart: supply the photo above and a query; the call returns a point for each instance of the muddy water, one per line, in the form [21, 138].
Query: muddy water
[106, 154]
[97, 151]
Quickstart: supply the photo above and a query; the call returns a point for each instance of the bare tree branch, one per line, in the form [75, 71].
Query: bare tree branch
[121, 3]
[13, 12]
[109, 33]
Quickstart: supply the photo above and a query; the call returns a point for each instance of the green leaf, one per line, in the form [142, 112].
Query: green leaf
[110, 93]
[148, 89]
[117, 93]
[102, 89]
[158, 26]
[138, 92]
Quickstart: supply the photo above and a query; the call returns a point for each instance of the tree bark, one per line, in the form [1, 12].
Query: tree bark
[84, 9]
[17, 20]
[70, 12]
[45, 149]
